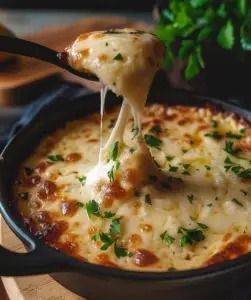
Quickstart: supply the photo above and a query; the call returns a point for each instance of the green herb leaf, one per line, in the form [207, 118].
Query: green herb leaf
[190, 236]
[214, 135]
[155, 129]
[190, 198]
[110, 174]
[118, 57]
[121, 251]
[169, 157]
[108, 215]
[173, 169]
[82, 179]
[55, 158]
[106, 239]
[225, 37]
[231, 135]
[246, 174]
[167, 238]
[113, 154]
[115, 227]
[92, 208]
[198, 3]
[148, 199]
[152, 141]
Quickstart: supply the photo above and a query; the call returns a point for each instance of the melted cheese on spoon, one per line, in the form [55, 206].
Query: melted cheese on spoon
[125, 61]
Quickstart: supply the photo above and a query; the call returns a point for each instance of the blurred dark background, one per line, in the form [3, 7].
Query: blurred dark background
[145, 5]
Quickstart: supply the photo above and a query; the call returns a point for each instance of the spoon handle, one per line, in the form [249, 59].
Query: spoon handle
[26, 48]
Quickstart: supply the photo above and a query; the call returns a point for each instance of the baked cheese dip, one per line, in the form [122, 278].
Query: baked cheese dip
[153, 188]
[200, 217]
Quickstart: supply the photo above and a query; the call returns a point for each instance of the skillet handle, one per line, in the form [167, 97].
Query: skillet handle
[37, 261]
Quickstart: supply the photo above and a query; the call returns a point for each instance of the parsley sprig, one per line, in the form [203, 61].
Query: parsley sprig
[187, 26]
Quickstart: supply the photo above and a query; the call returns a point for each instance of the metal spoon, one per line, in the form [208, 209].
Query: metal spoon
[22, 47]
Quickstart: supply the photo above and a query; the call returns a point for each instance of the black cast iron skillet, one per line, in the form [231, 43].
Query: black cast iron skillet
[230, 280]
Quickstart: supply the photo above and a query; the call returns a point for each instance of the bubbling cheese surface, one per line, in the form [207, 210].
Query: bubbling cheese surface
[203, 216]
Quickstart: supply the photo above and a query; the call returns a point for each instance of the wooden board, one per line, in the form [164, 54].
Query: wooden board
[23, 80]
[41, 287]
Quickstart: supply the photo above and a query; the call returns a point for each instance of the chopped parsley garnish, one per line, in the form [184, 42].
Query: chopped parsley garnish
[106, 44]
[28, 171]
[115, 227]
[118, 57]
[214, 124]
[110, 174]
[114, 151]
[231, 135]
[214, 135]
[190, 236]
[208, 168]
[190, 198]
[167, 238]
[24, 195]
[135, 131]
[55, 158]
[236, 169]
[173, 169]
[229, 148]
[237, 202]
[243, 130]
[155, 129]
[245, 174]
[82, 179]
[106, 239]
[121, 251]
[186, 168]
[152, 141]
[108, 215]
[93, 209]
[148, 199]
[169, 157]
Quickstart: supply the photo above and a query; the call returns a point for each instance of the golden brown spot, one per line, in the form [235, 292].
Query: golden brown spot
[99, 35]
[47, 190]
[41, 167]
[85, 52]
[92, 230]
[145, 227]
[227, 237]
[144, 258]
[84, 36]
[103, 259]
[32, 180]
[171, 117]
[72, 157]
[103, 57]
[92, 140]
[68, 208]
[111, 191]
[231, 251]
[131, 176]
[135, 240]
